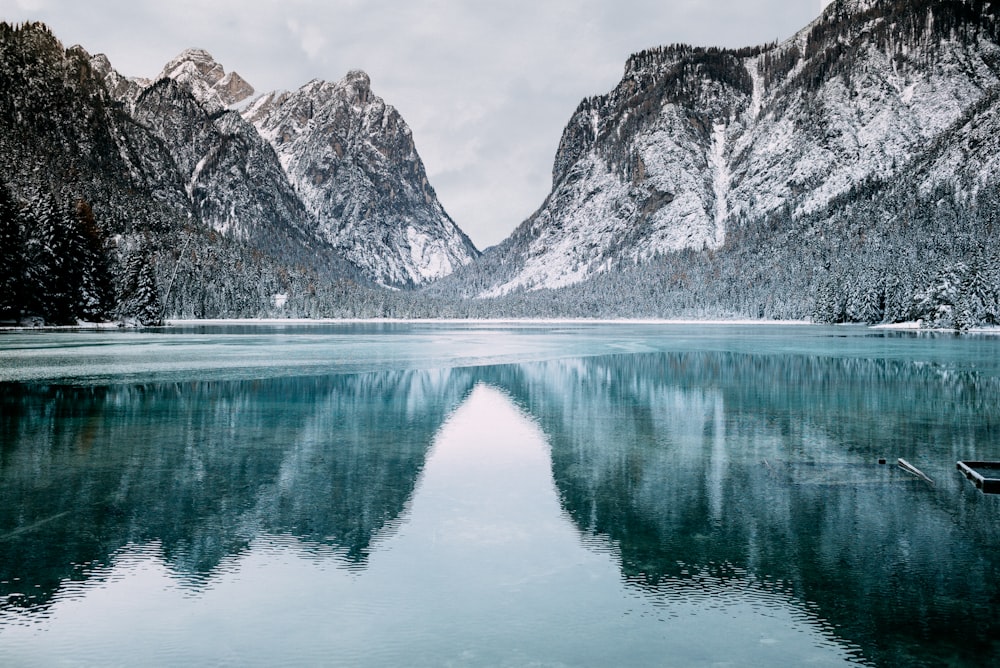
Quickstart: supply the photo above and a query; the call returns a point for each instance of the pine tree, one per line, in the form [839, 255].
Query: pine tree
[94, 297]
[977, 297]
[11, 254]
[50, 283]
[936, 304]
[830, 303]
[866, 302]
[138, 296]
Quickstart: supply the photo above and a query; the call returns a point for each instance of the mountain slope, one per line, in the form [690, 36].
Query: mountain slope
[696, 148]
[109, 183]
[352, 160]
[162, 189]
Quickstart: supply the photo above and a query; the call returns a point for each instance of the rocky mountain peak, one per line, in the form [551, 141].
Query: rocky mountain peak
[358, 81]
[101, 65]
[353, 163]
[194, 63]
[208, 81]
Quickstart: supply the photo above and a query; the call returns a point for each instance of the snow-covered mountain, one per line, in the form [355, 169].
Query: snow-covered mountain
[330, 161]
[353, 162]
[231, 176]
[197, 70]
[348, 157]
[697, 146]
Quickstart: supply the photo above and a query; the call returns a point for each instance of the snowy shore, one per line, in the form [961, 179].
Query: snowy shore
[221, 322]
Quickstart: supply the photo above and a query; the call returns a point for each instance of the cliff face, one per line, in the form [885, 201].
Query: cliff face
[353, 163]
[695, 144]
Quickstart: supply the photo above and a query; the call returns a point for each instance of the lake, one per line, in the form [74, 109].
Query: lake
[497, 494]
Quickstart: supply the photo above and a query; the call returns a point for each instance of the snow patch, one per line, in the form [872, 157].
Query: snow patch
[720, 181]
[753, 69]
[429, 257]
[907, 94]
[195, 175]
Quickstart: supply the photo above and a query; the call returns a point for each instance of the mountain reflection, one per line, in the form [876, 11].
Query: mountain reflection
[719, 465]
[203, 468]
[725, 466]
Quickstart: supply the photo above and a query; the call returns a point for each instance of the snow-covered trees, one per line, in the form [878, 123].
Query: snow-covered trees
[11, 249]
[138, 297]
[962, 295]
[52, 260]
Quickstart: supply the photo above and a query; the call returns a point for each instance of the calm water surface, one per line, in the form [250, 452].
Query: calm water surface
[496, 494]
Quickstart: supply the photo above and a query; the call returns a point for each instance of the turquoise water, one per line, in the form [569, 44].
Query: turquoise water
[558, 494]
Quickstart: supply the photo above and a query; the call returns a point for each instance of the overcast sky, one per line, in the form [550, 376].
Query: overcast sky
[486, 87]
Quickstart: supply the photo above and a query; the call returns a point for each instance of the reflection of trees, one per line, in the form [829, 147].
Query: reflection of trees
[731, 464]
[203, 468]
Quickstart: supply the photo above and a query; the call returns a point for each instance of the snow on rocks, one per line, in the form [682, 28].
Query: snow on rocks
[695, 141]
[353, 163]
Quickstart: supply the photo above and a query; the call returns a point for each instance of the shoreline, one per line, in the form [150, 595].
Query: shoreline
[223, 322]
[476, 321]
[170, 323]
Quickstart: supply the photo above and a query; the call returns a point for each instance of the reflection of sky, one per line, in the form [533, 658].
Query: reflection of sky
[485, 568]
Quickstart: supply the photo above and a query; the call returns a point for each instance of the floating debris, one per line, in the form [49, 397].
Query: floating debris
[910, 468]
[983, 474]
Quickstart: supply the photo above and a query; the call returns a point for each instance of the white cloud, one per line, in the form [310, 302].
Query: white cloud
[311, 38]
[30, 5]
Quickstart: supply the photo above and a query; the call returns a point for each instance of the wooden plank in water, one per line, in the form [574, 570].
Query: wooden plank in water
[910, 468]
[979, 473]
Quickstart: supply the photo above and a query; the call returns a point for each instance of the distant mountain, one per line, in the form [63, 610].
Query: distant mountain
[747, 182]
[352, 160]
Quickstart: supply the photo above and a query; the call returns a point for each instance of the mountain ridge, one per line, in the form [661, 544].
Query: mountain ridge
[695, 143]
[171, 193]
